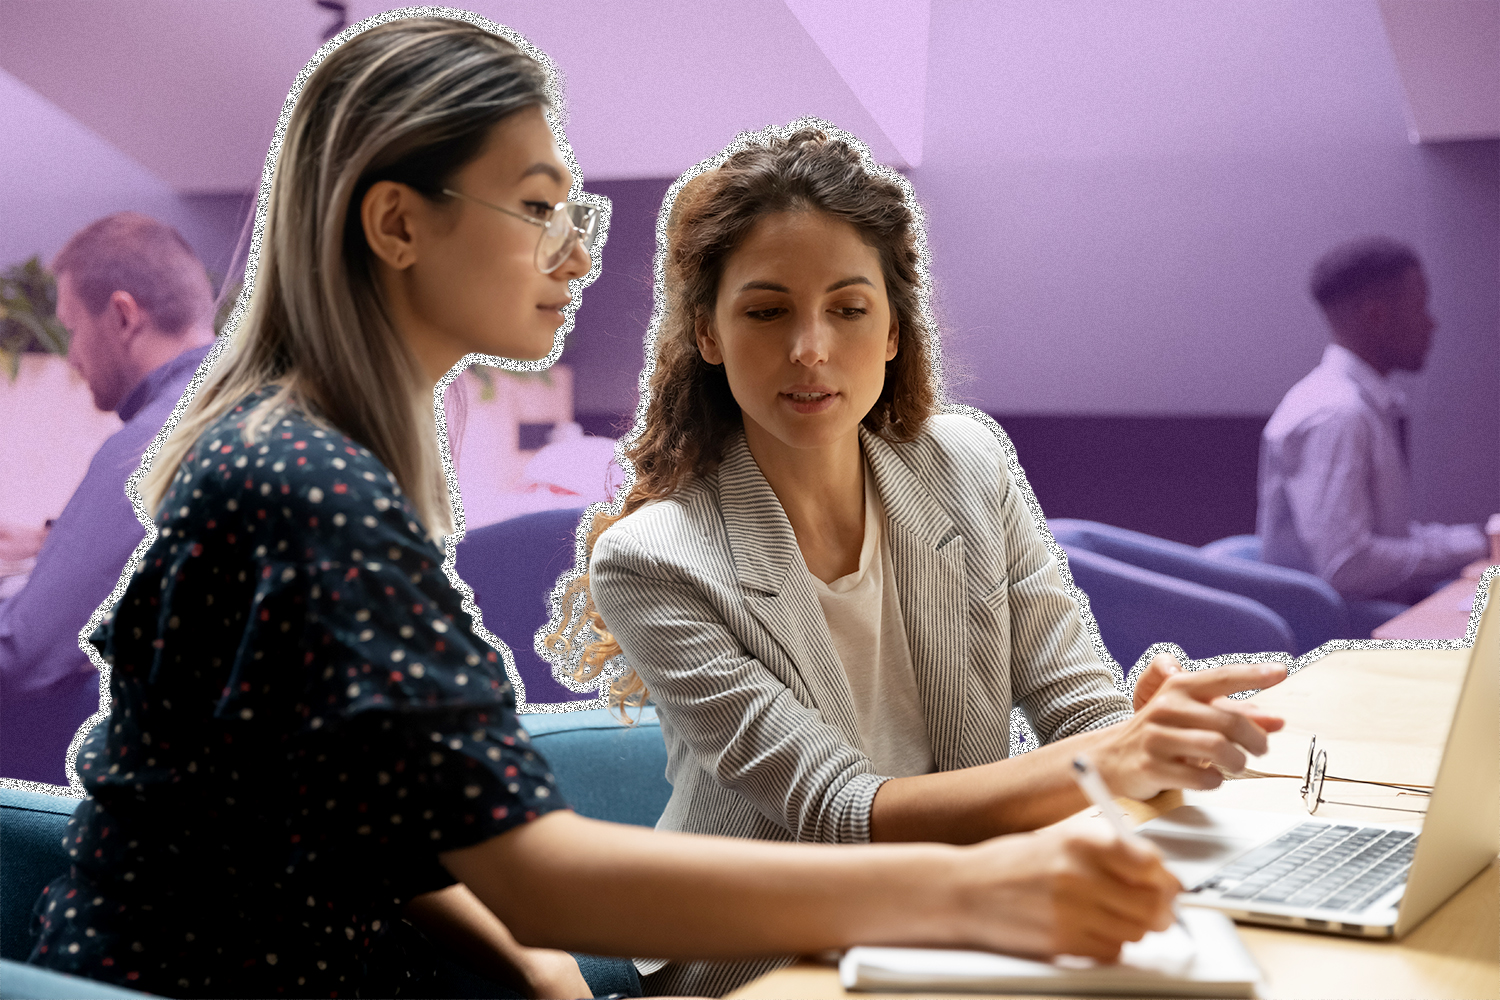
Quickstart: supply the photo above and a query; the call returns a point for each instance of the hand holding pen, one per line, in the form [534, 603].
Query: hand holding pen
[1098, 794]
[1083, 891]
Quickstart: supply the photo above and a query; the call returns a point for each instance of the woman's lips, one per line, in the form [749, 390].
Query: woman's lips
[809, 400]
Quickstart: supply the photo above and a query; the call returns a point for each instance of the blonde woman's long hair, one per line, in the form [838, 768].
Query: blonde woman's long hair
[412, 101]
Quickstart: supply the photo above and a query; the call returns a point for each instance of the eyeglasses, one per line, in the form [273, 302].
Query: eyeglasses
[567, 224]
[1317, 773]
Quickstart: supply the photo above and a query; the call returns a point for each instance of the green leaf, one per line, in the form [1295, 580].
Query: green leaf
[28, 311]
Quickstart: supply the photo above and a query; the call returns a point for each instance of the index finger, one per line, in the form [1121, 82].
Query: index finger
[1270, 723]
[1207, 685]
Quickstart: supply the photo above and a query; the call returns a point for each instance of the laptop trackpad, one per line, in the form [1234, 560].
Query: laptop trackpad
[1196, 841]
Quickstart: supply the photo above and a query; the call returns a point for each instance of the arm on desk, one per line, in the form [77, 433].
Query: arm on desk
[565, 881]
[1182, 721]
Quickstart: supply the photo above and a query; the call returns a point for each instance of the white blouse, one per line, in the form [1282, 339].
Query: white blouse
[864, 620]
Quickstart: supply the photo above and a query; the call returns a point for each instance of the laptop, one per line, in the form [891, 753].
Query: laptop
[1353, 878]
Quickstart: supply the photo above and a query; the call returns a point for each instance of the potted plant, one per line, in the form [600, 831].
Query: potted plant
[28, 315]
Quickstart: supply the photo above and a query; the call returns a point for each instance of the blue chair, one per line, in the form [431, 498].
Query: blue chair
[1363, 616]
[1234, 547]
[37, 726]
[31, 834]
[1136, 607]
[513, 566]
[19, 980]
[1310, 607]
[604, 768]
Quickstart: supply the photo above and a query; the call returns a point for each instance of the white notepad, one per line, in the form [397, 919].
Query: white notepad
[1204, 959]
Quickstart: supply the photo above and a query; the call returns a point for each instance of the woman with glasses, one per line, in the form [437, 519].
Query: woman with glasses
[312, 780]
[834, 591]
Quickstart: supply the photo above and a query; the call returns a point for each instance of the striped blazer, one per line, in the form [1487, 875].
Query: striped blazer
[712, 605]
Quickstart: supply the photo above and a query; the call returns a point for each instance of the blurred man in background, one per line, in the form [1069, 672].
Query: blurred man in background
[1335, 479]
[139, 310]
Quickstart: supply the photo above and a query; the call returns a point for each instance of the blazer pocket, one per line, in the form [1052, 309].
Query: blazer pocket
[998, 599]
[989, 628]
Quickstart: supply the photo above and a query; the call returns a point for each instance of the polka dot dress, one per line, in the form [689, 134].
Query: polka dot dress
[301, 722]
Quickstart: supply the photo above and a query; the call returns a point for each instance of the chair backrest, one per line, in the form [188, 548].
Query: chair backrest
[36, 727]
[1363, 617]
[32, 826]
[1234, 547]
[1136, 607]
[604, 768]
[513, 566]
[32, 982]
[1311, 608]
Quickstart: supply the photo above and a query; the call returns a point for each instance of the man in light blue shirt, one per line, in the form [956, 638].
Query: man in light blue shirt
[1335, 489]
[139, 311]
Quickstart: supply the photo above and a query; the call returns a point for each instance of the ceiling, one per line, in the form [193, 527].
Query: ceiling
[1448, 55]
[193, 90]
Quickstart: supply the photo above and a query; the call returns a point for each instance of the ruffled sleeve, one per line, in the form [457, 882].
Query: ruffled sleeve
[302, 607]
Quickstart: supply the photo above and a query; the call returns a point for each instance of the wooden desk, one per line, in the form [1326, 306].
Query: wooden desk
[1379, 714]
[1444, 615]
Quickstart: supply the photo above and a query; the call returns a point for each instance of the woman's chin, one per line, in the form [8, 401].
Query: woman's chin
[806, 435]
[541, 346]
[534, 351]
[538, 354]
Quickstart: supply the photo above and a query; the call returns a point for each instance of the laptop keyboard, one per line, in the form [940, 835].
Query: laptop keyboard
[1342, 868]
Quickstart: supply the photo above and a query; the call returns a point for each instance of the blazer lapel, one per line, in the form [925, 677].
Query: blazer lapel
[769, 566]
[928, 557]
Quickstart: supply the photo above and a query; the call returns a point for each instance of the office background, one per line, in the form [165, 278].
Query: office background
[1123, 198]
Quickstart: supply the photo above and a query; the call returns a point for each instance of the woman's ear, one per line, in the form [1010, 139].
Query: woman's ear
[893, 340]
[708, 345]
[385, 214]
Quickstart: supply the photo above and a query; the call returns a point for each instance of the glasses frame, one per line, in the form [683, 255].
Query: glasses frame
[572, 212]
[1317, 774]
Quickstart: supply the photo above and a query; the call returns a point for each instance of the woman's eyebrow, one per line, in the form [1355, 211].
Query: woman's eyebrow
[541, 167]
[771, 286]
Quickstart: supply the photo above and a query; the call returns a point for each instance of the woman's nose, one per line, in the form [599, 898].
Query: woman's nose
[810, 341]
[577, 263]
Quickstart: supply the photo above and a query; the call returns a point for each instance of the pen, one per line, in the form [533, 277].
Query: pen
[1093, 786]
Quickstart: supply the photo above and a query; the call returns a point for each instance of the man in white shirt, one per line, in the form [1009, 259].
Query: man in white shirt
[1335, 491]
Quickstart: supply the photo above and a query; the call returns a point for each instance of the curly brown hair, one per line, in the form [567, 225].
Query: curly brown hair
[690, 411]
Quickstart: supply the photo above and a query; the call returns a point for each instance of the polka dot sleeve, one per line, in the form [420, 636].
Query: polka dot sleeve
[350, 643]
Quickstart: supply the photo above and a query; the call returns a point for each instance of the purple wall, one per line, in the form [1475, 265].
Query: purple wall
[1124, 201]
[605, 348]
[57, 176]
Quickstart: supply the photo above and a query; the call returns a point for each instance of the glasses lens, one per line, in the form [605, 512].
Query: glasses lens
[556, 242]
[586, 221]
[570, 222]
[1312, 792]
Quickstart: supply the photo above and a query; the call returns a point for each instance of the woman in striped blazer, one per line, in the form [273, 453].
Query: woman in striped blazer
[835, 592]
